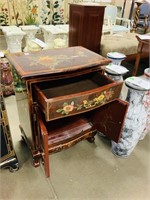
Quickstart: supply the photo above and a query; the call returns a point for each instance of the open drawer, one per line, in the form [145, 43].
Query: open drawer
[70, 96]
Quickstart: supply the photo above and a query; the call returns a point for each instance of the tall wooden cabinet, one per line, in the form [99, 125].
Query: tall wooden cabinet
[85, 26]
[65, 98]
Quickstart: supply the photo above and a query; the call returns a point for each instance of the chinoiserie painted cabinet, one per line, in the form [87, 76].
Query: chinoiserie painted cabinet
[65, 98]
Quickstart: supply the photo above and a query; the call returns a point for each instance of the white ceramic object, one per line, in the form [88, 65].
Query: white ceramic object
[146, 102]
[9, 28]
[116, 57]
[116, 73]
[30, 31]
[135, 122]
[55, 36]
[44, 29]
[14, 39]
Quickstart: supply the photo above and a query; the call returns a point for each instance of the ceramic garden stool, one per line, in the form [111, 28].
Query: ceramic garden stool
[116, 57]
[116, 73]
[114, 76]
[146, 102]
[135, 121]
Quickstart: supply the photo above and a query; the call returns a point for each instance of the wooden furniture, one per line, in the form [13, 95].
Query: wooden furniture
[118, 24]
[125, 43]
[143, 50]
[8, 158]
[67, 98]
[141, 17]
[85, 26]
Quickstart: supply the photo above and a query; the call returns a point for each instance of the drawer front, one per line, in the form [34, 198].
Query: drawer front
[64, 106]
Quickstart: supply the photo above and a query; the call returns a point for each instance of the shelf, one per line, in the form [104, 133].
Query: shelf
[65, 132]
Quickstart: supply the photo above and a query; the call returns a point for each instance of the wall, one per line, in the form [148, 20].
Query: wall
[20, 12]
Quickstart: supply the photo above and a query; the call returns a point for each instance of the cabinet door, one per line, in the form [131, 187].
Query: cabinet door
[85, 26]
[75, 26]
[109, 119]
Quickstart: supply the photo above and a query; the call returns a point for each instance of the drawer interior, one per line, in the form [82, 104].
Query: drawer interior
[73, 85]
[65, 129]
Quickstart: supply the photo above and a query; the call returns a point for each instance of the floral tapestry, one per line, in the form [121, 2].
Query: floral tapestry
[27, 12]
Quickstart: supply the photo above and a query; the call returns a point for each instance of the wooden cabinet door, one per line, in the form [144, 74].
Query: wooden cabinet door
[85, 26]
[109, 119]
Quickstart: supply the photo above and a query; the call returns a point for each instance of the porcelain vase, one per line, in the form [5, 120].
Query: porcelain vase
[146, 102]
[134, 125]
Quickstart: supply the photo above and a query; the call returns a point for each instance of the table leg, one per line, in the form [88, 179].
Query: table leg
[137, 61]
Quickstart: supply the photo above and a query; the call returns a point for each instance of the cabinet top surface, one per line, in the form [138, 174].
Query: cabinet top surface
[87, 4]
[53, 61]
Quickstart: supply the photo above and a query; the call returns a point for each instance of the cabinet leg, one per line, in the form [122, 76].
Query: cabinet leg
[36, 159]
[14, 167]
[91, 139]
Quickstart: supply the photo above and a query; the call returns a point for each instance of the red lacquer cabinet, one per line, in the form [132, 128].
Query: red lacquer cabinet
[65, 98]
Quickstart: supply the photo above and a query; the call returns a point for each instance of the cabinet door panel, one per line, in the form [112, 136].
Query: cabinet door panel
[85, 26]
[109, 119]
[76, 32]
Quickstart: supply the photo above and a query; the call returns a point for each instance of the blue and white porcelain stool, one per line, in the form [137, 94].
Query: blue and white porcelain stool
[146, 102]
[116, 73]
[116, 57]
[135, 120]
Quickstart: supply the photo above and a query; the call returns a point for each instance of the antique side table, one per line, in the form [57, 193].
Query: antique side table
[65, 98]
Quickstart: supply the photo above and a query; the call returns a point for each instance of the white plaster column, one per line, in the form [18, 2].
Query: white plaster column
[48, 39]
[61, 39]
[55, 36]
[30, 31]
[14, 38]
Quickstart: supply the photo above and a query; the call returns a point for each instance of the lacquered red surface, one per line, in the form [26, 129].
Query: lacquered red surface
[54, 61]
